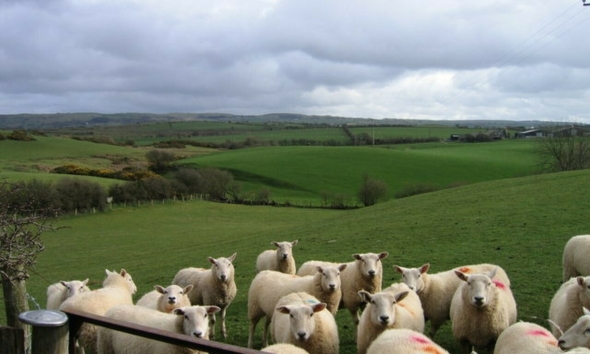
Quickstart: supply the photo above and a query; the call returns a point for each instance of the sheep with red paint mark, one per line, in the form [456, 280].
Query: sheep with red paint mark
[404, 341]
[524, 338]
[480, 310]
[567, 304]
[436, 290]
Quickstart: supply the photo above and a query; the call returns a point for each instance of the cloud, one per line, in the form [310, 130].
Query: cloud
[434, 60]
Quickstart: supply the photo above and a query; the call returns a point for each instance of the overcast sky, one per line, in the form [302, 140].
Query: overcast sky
[444, 59]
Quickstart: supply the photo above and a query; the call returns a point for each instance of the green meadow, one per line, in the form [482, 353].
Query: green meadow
[499, 212]
[520, 224]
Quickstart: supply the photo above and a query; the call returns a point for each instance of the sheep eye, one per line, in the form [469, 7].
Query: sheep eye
[182, 292]
[290, 315]
[206, 315]
[185, 317]
[311, 314]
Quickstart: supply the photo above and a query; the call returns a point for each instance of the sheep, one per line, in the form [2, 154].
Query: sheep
[117, 289]
[214, 286]
[166, 299]
[58, 292]
[283, 348]
[524, 338]
[280, 259]
[577, 335]
[404, 341]
[481, 310]
[300, 319]
[437, 290]
[567, 303]
[394, 307]
[364, 273]
[269, 286]
[192, 321]
[575, 257]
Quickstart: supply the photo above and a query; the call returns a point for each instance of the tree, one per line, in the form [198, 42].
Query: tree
[159, 160]
[21, 227]
[372, 191]
[564, 151]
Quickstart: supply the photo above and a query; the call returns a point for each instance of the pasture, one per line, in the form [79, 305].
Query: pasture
[520, 223]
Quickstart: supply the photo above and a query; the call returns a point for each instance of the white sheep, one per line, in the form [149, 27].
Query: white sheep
[117, 289]
[269, 286]
[404, 341]
[481, 310]
[436, 290]
[166, 299]
[577, 335]
[214, 286]
[58, 292]
[192, 321]
[364, 273]
[394, 307]
[575, 257]
[283, 348]
[524, 338]
[300, 319]
[280, 259]
[567, 304]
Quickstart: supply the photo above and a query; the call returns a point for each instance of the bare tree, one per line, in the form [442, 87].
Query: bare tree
[21, 227]
[564, 150]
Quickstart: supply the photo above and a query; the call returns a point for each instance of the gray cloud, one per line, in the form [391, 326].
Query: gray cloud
[434, 60]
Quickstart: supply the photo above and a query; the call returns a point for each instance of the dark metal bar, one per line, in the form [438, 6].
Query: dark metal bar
[76, 318]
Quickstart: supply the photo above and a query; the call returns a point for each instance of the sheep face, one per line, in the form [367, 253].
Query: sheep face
[222, 268]
[577, 335]
[479, 288]
[113, 277]
[382, 309]
[196, 320]
[370, 263]
[284, 249]
[412, 277]
[301, 319]
[174, 293]
[331, 277]
[74, 287]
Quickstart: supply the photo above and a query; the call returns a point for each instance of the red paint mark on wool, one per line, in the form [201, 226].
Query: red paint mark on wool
[431, 349]
[499, 284]
[464, 270]
[420, 339]
[539, 332]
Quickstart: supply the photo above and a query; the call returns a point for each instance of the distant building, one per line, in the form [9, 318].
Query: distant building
[531, 133]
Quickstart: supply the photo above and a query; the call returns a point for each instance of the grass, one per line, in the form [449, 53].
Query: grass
[521, 224]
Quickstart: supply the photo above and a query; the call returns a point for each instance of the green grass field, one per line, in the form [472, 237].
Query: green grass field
[521, 224]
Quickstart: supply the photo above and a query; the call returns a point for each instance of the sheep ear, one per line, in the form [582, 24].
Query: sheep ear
[62, 282]
[108, 272]
[398, 269]
[580, 281]
[586, 311]
[461, 275]
[365, 296]
[383, 255]
[123, 272]
[275, 243]
[319, 307]
[232, 257]
[211, 260]
[319, 269]
[283, 309]
[179, 311]
[357, 256]
[160, 289]
[492, 274]
[85, 282]
[187, 289]
[294, 242]
[400, 296]
[424, 268]
[342, 267]
[212, 309]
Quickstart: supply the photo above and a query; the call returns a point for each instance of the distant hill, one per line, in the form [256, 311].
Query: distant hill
[69, 120]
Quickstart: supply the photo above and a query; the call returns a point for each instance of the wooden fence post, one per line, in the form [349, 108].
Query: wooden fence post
[13, 340]
[50, 331]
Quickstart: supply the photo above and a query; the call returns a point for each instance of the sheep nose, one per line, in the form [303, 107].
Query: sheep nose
[371, 273]
[171, 299]
[198, 334]
[332, 286]
[384, 319]
[301, 335]
[478, 299]
[223, 277]
[285, 256]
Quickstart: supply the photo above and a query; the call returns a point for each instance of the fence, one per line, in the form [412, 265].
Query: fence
[77, 318]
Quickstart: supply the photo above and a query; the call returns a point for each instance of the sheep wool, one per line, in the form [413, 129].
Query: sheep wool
[575, 257]
[214, 286]
[280, 260]
[58, 292]
[525, 338]
[567, 304]
[283, 348]
[404, 341]
[166, 299]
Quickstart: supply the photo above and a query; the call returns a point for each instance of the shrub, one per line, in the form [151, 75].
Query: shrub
[80, 195]
[159, 160]
[414, 189]
[372, 191]
[21, 135]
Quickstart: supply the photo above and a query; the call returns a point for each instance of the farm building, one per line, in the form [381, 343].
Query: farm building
[569, 131]
[531, 133]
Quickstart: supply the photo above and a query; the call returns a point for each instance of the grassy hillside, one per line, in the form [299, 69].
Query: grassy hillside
[521, 224]
[303, 173]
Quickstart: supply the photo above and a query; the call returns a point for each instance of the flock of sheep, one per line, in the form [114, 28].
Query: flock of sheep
[298, 306]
